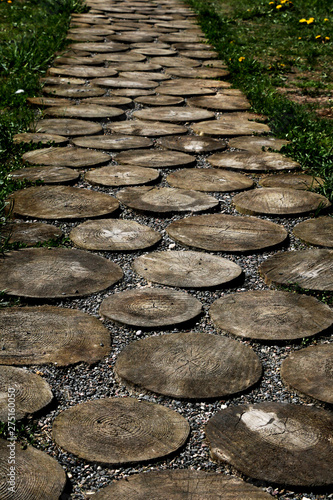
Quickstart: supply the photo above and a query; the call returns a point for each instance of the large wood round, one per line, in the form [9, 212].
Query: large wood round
[62, 81]
[149, 75]
[37, 475]
[73, 91]
[147, 128]
[131, 92]
[184, 90]
[83, 71]
[253, 162]
[176, 62]
[229, 125]
[100, 47]
[68, 126]
[186, 269]
[114, 235]
[66, 157]
[49, 334]
[192, 144]
[36, 138]
[30, 233]
[310, 371]
[291, 181]
[121, 83]
[121, 175]
[163, 199]
[174, 114]
[85, 111]
[120, 57]
[159, 100]
[317, 231]
[150, 307]
[226, 233]
[62, 202]
[280, 443]
[209, 179]
[198, 72]
[120, 430]
[47, 101]
[220, 102]
[278, 201]
[270, 315]
[114, 142]
[49, 175]
[309, 269]
[256, 144]
[155, 158]
[118, 102]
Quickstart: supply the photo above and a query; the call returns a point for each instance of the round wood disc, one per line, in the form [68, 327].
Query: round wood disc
[49, 334]
[278, 201]
[62, 202]
[198, 72]
[120, 430]
[134, 66]
[85, 111]
[294, 442]
[149, 75]
[133, 37]
[159, 100]
[68, 126]
[220, 102]
[119, 102]
[226, 233]
[310, 371]
[120, 57]
[49, 175]
[147, 128]
[66, 157]
[184, 90]
[37, 475]
[270, 315]
[114, 142]
[114, 235]
[62, 81]
[73, 91]
[186, 269]
[30, 233]
[309, 269]
[181, 37]
[155, 158]
[229, 126]
[77, 61]
[83, 71]
[152, 51]
[209, 179]
[48, 101]
[132, 92]
[199, 83]
[120, 83]
[199, 54]
[193, 144]
[150, 307]
[162, 199]
[253, 162]
[30, 391]
[99, 30]
[35, 138]
[291, 181]
[316, 231]
[255, 144]
[189, 365]
[121, 175]
[84, 38]
[174, 114]
[100, 47]
[176, 62]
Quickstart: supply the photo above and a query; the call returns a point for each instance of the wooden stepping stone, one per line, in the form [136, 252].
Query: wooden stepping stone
[28, 391]
[146, 128]
[68, 126]
[30, 233]
[62, 81]
[99, 31]
[189, 365]
[255, 144]
[229, 125]
[220, 102]
[49, 175]
[317, 231]
[294, 442]
[120, 430]
[36, 138]
[310, 371]
[186, 269]
[48, 101]
[121, 175]
[253, 162]
[85, 111]
[209, 179]
[192, 144]
[77, 61]
[149, 75]
[156, 52]
[66, 157]
[181, 37]
[164, 200]
[175, 62]
[184, 90]
[150, 307]
[198, 54]
[132, 66]
[73, 91]
[126, 83]
[192, 46]
[180, 484]
[309, 269]
[174, 114]
[155, 158]
[114, 142]
[120, 58]
[143, 45]
[83, 71]
[84, 38]
[291, 181]
[62, 202]
[198, 72]
[199, 83]
[159, 100]
[114, 235]
[37, 475]
[270, 315]
[118, 102]
[278, 201]
[132, 37]
[132, 92]
[100, 47]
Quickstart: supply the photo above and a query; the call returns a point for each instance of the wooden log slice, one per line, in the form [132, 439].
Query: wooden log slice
[184, 91]
[309, 269]
[270, 315]
[147, 128]
[36, 138]
[253, 162]
[150, 307]
[133, 37]
[100, 47]
[162, 199]
[291, 181]
[48, 101]
[192, 144]
[49, 334]
[120, 430]
[189, 365]
[316, 231]
[85, 112]
[176, 62]
[255, 144]
[198, 83]
[155, 158]
[131, 92]
[30, 233]
[294, 442]
[62, 202]
[181, 484]
[229, 126]
[174, 114]
[77, 61]
[99, 30]
[121, 175]
[159, 100]
[226, 233]
[62, 81]
[68, 126]
[114, 142]
[118, 102]
[134, 66]
[151, 52]
[121, 57]
[198, 72]
[278, 201]
[84, 38]
[192, 46]
[119, 83]
[209, 179]
[66, 157]
[310, 371]
[25, 393]
[83, 71]
[220, 102]
[181, 37]
[149, 75]
[198, 54]
[36, 475]
[49, 175]
[114, 235]
[144, 45]
[73, 91]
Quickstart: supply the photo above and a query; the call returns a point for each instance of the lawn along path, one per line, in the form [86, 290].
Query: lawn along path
[164, 364]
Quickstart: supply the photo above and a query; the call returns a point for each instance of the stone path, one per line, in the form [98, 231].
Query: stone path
[139, 109]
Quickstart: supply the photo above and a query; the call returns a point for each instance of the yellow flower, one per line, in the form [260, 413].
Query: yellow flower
[283, 1]
[303, 21]
[325, 19]
[9, 1]
[310, 20]
[300, 38]
[278, 6]
[241, 59]
[271, 3]
[327, 38]
[318, 36]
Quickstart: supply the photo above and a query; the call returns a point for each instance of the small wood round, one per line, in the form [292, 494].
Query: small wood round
[131, 92]
[159, 100]
[226, 233]
[151, 52]
[294, 442]
[310, 371]
[77, 61]
[135, 66]
[48, 101]
[35, 138]
[149, 75]
[199, 54]
[316, 231]
[49, 334]
[118, 102]
[150, 307]
[174, 114]
[176, 62]
[85, 112]
[193, 144]
[209, 179]
[186, 269]
[309, 269]
[66, 157]
[84, 38]
[99, 30]
[30, 233]
[162, 199]
[68, 126]
[120, 430]
[146, 128]
[184, 90]
[100, 47]
[253, 162]
[155, 158]
[198, 72]
[220, 102]
[278, 201]
[114, 235]
[270, 315]
[229, 126]
[199, 83]
[134, 37]
[62, 202]
[291, 181]
[121, 175]
[83, 71]
[29, 391]
[62, 81]
[120, 58]
[72, 91]
[114, 142]
[49, 175]
[37, 475]
[181, 37]
[255, 144]
[120, 83]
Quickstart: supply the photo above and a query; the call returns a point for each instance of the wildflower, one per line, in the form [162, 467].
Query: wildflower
[9, 1]
[283, 1]
[241, 59]
[310, 20]
[325, 19]
[271, 3]
[303, 20]
[318, 36]
[327, 38]
[300, 38]
[279, 6]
